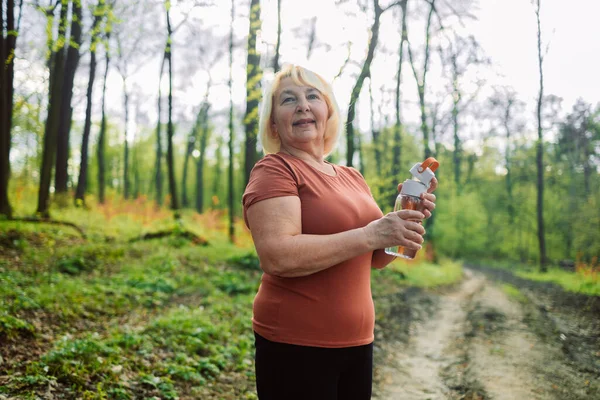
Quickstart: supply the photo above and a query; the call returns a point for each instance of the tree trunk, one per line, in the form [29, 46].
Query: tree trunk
[422, 83]
[217, 182]
[312, 37]
[276, 65]
[136, 170]
[8, 45]
[201, 160]
[397, 142]
[456, 155]
[509, 188]
[231, 183]
[170, 130]
[83, 164]
[422, 87]
[540, 150]
[66, 112]
[57, 63]
[126, 182]
[376, 133]
[101, 148]
[253, 93]
[365, 72]
[158, 180]
[191, 142]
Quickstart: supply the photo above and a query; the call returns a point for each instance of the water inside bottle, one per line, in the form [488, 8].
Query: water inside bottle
[405, 202]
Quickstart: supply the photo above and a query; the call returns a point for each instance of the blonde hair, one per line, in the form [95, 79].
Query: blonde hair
[269, 139]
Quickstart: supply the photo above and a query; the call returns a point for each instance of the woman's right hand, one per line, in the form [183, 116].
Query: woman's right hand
[398, 228]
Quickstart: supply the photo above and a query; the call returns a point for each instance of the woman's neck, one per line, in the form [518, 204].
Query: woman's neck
[315, 157]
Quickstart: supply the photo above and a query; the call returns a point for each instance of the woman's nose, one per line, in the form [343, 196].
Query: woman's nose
[302, 105]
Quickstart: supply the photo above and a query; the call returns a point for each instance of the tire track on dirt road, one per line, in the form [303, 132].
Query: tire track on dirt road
[479, 343]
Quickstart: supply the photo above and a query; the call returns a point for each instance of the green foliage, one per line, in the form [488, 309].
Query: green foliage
[247, 261]
[514, 293]
[11, 326]
[569, 281]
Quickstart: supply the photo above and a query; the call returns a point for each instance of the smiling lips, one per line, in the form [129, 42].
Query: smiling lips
[304, 121]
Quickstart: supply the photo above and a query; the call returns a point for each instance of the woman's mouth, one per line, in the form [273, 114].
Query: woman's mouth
[305, 121]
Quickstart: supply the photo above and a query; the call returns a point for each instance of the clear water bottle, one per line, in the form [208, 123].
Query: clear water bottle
[410, 198]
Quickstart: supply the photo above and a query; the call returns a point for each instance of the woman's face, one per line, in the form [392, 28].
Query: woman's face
[299, 115]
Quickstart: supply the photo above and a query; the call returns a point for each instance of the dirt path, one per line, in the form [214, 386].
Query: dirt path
[479, 343]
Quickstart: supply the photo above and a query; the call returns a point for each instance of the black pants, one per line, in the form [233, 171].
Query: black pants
[290, 372]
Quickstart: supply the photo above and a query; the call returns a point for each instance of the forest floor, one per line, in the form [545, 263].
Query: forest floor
[492, 336]
[169, 318]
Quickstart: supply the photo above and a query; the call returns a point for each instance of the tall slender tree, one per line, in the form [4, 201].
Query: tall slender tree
[253, 92]
[71, 63]
[170, 129]
[397, 141]
[231, 183]
[351, 140]
[204, 136]
[57, 67]
[422, 80]
[276, 66]
[540, 147]
[8, 45]
[158, 177]
[101, 147]
[190, 146]
[365, 72]
[83, 164]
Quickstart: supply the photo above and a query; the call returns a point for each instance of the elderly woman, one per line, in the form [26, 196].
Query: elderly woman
[318, 232]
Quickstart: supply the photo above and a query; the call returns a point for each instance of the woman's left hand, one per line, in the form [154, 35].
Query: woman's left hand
[428, 198]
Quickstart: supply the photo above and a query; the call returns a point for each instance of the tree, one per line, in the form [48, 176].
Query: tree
[191, 143]
[461, 54]
[205, 131]
[170, 130]
[276, 66]
[422, 80]
[83, 164]
[57, 66]
[253, 93]
[66, 111]
[397, 141]
[364, 73]
[8, 45]
[122, 67]
[508, 108]
[540, 148]
[101, 147]
[231, 183]
[158, 177]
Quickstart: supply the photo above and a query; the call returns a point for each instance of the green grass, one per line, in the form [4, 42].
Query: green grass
[571, 281]
[514, 293]
[426, 275]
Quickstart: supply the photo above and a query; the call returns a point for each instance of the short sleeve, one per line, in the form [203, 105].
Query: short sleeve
[271, 177]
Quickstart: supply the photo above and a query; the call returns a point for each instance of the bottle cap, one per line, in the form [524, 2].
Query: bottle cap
[413, 188]
[424, 171]
[425, 176]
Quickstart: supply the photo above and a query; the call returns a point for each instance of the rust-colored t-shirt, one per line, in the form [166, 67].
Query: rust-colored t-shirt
[333, 307]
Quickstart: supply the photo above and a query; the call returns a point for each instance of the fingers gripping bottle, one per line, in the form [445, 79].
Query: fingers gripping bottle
[410, 198]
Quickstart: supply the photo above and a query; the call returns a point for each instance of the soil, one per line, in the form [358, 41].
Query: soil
[477, 341]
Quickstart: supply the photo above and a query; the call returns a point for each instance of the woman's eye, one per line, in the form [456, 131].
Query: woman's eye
[287, 99]
[313, 96]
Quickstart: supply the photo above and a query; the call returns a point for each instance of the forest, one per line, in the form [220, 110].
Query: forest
[128, 130]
